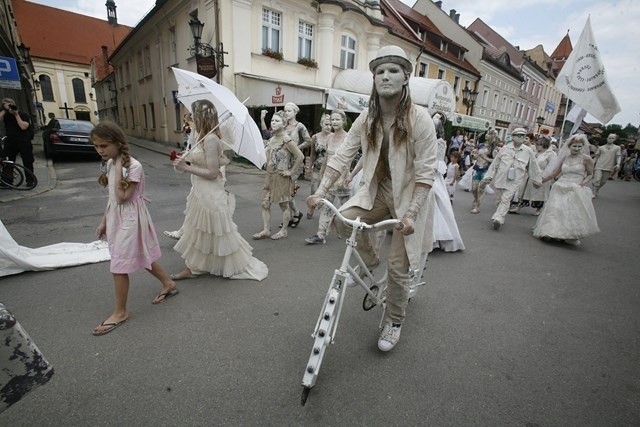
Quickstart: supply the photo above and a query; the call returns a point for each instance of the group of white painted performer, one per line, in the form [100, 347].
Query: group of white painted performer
[400, 174]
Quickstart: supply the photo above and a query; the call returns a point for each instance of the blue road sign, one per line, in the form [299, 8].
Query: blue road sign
[9, 73]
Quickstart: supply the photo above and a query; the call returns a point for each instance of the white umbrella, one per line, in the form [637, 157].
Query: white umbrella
[239, 131]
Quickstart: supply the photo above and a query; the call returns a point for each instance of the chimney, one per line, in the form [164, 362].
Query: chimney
[439, 4]
[452, 13]
[112, 17]
[457, 18]
[105, 53]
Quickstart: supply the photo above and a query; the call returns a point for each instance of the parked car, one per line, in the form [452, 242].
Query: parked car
[67, 136]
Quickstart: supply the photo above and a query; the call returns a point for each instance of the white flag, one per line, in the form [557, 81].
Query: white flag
[583, 79]
[577, 121]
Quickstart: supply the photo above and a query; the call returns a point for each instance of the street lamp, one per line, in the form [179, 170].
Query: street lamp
[24, 52]
[206, 55]
[540, 122]
[469, 97]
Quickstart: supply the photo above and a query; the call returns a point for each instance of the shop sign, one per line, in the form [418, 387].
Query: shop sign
[279, 97]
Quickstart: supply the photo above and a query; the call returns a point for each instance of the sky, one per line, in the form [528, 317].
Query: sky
[524, 23]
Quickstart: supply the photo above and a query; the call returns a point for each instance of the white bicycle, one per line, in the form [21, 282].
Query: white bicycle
[375, 291]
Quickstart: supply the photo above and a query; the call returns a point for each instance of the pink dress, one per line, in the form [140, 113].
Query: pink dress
[132, 239]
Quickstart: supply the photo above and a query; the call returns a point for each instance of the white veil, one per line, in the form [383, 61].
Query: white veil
[564, 151]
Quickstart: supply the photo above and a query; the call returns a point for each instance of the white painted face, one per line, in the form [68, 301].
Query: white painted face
[611, 138]
[337, 122]
[575, 147]
[389, 79]
[518, 139]
[289, 112]
[326, 125]
[276, 123]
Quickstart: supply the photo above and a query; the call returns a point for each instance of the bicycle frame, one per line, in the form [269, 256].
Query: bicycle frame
[327, 323]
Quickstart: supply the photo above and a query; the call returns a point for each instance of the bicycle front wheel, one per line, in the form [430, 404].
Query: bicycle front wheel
[11, 175]
[322, 338]
[30, 179]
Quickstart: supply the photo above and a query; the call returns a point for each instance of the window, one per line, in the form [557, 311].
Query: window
[305, 40]
[496, 98]
[347, 52]
[127, 75]
[528, 114]
[45, 86]
[510, 110]
[423, 70]
[485, 98]
[140, 65]
[147, 61]
[124, 114]
[144, 115]
[177, 112]
[133, 119]
[515, 113]
[153, 115]
[456, 84]
[440, 74]
[78, 90]
[271, 30]
[504, 104]
[173, 51]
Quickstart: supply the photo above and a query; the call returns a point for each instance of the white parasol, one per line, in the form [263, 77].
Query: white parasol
[239, 131]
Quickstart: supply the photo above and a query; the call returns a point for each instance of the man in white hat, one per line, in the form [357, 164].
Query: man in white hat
[508, 171]
[398, 143]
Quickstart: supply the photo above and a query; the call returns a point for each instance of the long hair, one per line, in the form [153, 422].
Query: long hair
[111, 133]
[205, 118]
[402, 130]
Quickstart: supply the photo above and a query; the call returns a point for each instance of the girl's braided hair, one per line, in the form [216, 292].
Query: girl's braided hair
[112, 133]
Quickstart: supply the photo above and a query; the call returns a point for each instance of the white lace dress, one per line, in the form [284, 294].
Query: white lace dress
[211, 242]
[446, 235]
[568, 212]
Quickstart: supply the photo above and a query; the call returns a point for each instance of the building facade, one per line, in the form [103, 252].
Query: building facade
[62, 70]
[16, 76]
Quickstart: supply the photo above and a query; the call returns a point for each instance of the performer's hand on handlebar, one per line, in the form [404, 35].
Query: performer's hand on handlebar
[313, 201]
[406, 227]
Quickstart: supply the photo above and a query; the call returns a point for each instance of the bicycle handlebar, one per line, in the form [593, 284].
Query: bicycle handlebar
[356, 223]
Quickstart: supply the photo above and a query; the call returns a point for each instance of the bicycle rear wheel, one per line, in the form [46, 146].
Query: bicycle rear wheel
[11, 175]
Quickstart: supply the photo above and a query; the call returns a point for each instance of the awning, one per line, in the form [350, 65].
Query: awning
[263, 91]
[351, 89]
[469, 122]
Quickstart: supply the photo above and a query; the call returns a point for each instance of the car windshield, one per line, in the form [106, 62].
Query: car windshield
[76, 125]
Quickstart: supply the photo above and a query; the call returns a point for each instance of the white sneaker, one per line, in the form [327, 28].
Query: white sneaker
[389, 336]
[475, 211]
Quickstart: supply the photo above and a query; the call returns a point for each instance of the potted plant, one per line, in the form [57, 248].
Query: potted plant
[308, 62]
[277, 55]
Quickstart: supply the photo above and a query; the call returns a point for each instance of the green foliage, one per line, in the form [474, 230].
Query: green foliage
[277, 55]
[308, 62]
[626, 134]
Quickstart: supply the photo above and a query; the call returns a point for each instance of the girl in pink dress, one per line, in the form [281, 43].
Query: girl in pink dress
[126, 223]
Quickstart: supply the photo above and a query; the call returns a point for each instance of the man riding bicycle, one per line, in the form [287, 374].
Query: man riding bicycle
[398, 143]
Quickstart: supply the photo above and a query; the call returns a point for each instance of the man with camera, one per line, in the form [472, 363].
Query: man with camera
[18, 140]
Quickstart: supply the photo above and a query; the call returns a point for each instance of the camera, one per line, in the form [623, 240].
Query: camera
[14, 107]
